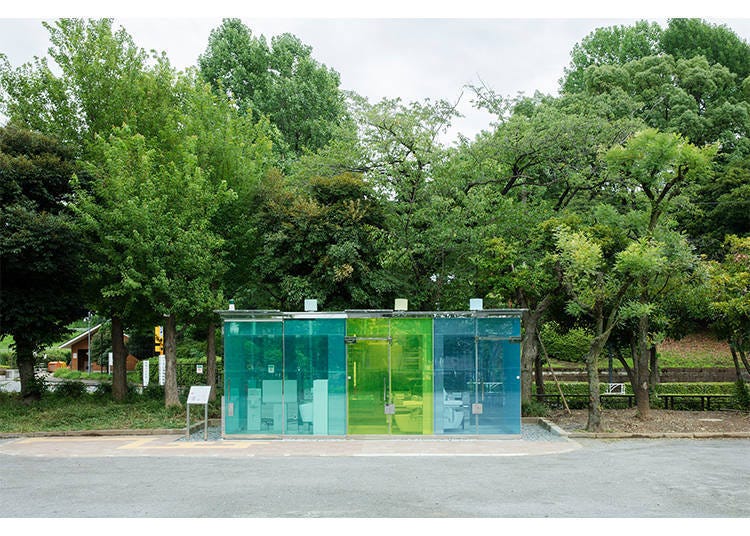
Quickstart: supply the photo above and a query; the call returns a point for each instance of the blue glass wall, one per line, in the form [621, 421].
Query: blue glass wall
[477, 376]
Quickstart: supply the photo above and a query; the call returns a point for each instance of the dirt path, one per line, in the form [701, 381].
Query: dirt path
[625, 420]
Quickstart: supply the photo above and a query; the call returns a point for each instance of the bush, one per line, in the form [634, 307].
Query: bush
[741, 394]
[570, 346]
[103, 389]
[7, 359]
[534, 409]
[153, 392]
[70, 389]
[56, 354]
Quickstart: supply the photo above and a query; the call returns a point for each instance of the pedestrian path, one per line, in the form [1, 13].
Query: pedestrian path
[171, 445]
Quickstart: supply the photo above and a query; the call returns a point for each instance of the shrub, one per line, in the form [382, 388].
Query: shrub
[153, 392]
[70, 389]
[570, 346]
[56, 354]
[7, 359]
[741, 394]
[534, 409]
[103, 389]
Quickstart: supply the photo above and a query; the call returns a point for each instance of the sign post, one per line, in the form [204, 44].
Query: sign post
[198, 395]
[145, 371]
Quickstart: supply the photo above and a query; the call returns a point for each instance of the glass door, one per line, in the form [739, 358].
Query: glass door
[389, 376]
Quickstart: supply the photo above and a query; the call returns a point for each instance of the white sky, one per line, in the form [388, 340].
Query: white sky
[414, 52]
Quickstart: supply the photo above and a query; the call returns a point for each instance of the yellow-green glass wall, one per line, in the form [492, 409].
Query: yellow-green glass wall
[389, 372]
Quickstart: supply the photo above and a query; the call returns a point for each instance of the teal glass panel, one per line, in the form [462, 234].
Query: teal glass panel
[368, 355]
[411, 376]
[498, 376]
[314, 364]
[454, 366]
[511, 416]
[253, 382]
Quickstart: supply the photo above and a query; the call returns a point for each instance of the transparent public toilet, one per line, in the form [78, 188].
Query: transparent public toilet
[371, 373]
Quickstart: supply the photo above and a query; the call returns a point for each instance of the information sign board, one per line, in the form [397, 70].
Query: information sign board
[199, 394]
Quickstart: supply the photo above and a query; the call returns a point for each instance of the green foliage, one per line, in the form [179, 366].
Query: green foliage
[742, 395]
[36, 233]
[7, 359]
[153, 391]
[534, 409]
[282, 82]
[570, 345]
[89, 412]
[70, 389]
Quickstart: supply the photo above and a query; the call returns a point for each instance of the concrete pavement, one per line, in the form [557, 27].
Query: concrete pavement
[172, 445]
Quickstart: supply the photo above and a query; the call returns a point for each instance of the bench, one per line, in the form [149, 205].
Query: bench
[704, 398]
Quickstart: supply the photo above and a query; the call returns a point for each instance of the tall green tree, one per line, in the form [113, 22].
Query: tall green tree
[282, 81]
[40, 260]
[624, 251]
[148, 223]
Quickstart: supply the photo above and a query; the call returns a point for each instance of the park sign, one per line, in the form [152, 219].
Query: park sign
[199, 394]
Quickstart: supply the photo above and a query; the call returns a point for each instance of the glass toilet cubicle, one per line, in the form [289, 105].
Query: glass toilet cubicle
[371, 373]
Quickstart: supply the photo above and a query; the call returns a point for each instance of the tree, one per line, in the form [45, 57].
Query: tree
[39, 254]
[687, 38]
[148, 222]
[543, 158]
[300, 96]
[319, 240]
[98, 86]
[614, 45]
[729, 285]
[626, 250]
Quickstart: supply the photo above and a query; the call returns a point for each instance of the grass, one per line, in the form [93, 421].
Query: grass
[90, 412]
[698, 350]
[69, 374]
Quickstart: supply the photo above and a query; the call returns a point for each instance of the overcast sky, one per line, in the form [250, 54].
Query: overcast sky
[411, 58]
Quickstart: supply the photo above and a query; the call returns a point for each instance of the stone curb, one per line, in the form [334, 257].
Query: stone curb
[658, 435]
[108, 433]
[95, 433]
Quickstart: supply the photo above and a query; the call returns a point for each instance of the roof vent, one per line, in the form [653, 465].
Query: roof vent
[402, 304]
[476, 304]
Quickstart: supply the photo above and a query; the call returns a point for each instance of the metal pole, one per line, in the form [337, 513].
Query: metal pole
[88, 335]
[205, 422]
[476, 372]
[187, 427]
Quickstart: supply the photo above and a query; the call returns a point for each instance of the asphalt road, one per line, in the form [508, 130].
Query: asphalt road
[623, 478]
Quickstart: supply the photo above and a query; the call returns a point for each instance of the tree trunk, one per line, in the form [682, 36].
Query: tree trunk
[25, 360]
[211, 359]
[594, 423]
[737, 368]
[171, 396]
[653, 379]
[119, 361]
[641, 357]
[743, 357]
[539, 374]
[529, 352]
[530, 342]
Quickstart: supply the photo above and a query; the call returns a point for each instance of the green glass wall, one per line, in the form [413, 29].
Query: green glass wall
[389, 371]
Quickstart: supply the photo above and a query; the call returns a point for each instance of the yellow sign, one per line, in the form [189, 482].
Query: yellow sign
[159, 340]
